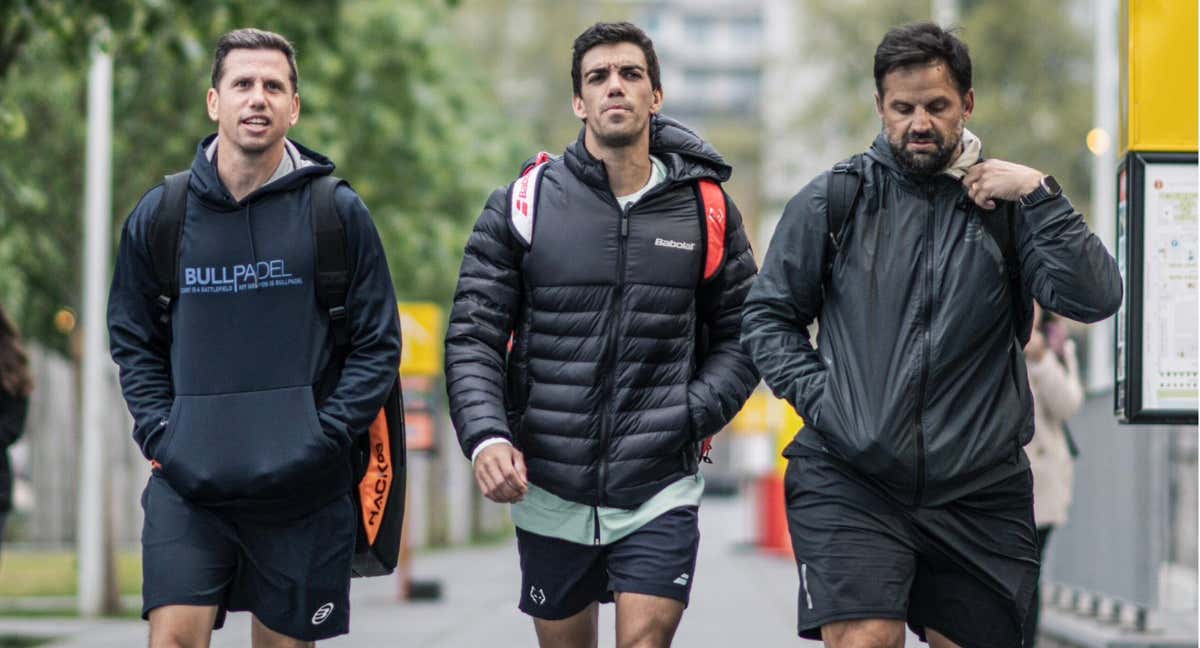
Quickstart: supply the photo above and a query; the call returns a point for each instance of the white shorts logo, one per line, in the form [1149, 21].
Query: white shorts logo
[322, 613]
[537, 595]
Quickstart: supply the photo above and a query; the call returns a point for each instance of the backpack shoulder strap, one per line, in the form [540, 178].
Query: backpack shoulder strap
[844, 186]
[522, 198]
[333, 267]
[1001, 225]
[713, 216]
[165, 233]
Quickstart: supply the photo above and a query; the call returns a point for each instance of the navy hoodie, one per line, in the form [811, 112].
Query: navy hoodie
[243, 404]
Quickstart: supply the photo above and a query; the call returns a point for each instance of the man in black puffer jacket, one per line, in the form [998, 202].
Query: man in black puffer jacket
[909, 496]
[624, 353]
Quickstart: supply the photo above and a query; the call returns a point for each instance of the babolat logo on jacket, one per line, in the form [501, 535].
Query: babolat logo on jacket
[612, 381]
[245, 415]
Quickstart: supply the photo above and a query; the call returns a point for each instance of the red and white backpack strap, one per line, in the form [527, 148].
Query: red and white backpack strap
[713, 200]
[523, 199]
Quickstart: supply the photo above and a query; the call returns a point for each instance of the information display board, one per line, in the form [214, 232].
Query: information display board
[1157, 378]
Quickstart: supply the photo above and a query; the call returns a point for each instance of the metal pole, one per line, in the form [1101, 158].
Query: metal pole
[97, 224]
[1104, 169]
[945, 12]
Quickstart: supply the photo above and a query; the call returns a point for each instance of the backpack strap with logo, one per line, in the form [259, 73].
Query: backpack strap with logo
[523, 198]
[714, 214]
[844, 188]
[380, 461]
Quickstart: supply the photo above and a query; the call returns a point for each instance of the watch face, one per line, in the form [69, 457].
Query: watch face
[1051, 185]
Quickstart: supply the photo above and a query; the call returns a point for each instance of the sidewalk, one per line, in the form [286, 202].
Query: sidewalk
[740, 598]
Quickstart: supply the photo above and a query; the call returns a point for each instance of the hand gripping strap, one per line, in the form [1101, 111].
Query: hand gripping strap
[713, 200]
[523, 199]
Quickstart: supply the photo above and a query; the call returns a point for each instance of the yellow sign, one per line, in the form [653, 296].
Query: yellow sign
[790, 425]
[423, 333]
[1158, 75]
[767, 415]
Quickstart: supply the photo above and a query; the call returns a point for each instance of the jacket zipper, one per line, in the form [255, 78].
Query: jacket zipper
[927, 321]
[611, 361]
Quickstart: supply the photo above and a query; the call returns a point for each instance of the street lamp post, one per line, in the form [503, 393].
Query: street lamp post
[92, 501]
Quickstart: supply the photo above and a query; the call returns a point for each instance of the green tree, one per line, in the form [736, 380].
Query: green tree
[385, 92]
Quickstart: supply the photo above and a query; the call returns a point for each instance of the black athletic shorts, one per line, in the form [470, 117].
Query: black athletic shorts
[560, 578]
[294, 576]
[966, 569]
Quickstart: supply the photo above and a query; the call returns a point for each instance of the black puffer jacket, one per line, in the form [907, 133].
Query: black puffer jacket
[918, 379]
[604, 390]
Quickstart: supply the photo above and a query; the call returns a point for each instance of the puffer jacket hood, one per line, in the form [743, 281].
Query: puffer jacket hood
[688, 157]
[918, 379]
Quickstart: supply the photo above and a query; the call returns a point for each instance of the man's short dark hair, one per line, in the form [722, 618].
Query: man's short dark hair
[610, 34]
[922, 44]
[251, 38]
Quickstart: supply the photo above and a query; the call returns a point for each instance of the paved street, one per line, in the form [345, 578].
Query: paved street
[741, 598]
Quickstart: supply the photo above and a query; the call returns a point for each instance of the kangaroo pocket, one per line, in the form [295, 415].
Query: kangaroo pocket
[245, 446]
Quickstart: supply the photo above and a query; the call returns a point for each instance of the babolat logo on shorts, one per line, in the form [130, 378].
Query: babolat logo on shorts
[322, 613]
[237, 278]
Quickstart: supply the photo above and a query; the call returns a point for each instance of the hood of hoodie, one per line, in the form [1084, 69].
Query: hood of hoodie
[686, 155]
[206, 183]
[881, 152]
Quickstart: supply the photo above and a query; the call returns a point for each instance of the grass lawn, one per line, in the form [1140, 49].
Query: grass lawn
[54, 573]
[17, 641]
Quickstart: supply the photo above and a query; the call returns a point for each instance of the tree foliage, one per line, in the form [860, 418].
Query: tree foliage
[384, 93]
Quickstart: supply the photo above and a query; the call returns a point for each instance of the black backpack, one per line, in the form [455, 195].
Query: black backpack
[842, 192]
[380, 462]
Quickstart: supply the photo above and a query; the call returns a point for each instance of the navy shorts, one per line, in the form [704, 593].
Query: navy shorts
[294, 576]
[966, 569]
[560, 579]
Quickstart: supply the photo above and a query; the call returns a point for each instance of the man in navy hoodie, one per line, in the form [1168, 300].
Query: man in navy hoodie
[242, 401]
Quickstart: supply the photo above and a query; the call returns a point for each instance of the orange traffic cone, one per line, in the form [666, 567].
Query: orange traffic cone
[773, 536]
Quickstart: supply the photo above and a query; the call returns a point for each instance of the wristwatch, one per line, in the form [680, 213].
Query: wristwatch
[1048, 188]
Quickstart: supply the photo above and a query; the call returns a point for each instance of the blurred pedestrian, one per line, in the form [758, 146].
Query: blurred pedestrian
[623, 299]
[1057, 395]
[251, 381]
[15, 386]
[909, 498]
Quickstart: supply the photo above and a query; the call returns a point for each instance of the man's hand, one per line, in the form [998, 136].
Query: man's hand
[997, 179]
[500, 473]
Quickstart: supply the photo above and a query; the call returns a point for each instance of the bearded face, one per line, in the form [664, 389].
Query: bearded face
[923, 115]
